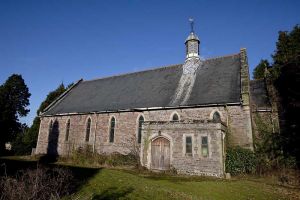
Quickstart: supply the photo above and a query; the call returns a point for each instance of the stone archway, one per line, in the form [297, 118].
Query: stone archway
[160, 154]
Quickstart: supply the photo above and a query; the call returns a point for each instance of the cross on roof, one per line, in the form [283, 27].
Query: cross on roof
[191, 20]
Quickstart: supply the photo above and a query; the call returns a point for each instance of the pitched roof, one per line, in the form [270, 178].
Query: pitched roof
[217, 82]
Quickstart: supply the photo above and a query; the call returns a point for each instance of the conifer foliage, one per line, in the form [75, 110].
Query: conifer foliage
[23, 144]
[14, 99]
[285, 75]
[259, 71]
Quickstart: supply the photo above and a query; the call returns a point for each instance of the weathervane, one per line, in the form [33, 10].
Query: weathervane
[191, 20]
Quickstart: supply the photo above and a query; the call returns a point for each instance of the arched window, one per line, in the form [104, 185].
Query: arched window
[141, 121]
[67, 130]
[216, 117]
[55, 128]
[175, 117]
[88, 130]
[50, 127]
[53, 138]
[112, 130]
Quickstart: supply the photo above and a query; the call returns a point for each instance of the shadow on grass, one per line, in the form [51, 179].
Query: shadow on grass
[10, 167]
[113, 193]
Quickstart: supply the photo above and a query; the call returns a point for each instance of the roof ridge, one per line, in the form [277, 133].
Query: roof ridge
[157, 68]
[138, 72]
[219, 57]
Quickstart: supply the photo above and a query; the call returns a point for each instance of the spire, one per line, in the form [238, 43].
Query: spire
[192, 42]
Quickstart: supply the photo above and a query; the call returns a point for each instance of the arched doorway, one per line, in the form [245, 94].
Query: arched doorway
[160, 154]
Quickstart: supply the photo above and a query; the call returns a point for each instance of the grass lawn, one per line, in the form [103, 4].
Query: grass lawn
[112, 183]
[124, 184]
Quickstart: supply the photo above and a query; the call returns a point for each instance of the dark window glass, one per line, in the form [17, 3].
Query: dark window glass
[175, 117]
[216, 117]
[55, 128]
[67, 130]
[204, 146]
[112, 130]
[188, 145]
[141, 120]
[88, 130]
[53, 138]
[50, 127]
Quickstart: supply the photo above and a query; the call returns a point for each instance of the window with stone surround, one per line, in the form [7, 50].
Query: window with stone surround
[88, 130]
[188, 146]
[204, 146]
[67, 130]
[175, 117]
[216, 117]
[50, 127]
[141, 121]
[112, 129]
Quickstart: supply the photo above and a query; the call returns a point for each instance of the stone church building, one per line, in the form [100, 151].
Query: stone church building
[180, 117]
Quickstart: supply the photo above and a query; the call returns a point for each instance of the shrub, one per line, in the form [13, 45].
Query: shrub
[86, 157]
[41, 183]
[117, 159]
[240, 161]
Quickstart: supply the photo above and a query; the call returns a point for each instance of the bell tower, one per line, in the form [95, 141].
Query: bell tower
[192, 43]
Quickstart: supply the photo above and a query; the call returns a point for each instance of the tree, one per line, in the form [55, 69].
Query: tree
[14, 99]
[287, 47]
[24, 144]
[52, 96]
[286, 75]
[259, 71]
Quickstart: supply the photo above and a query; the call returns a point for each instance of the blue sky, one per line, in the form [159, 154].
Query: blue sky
[54, 41]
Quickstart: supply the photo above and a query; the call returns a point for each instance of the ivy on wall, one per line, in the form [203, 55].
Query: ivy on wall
[240, 161]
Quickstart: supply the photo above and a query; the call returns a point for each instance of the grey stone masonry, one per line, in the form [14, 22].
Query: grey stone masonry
[245, 81]
[237, 119]
[175, 132]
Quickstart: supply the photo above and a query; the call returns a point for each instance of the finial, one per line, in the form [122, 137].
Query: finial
[191, 20]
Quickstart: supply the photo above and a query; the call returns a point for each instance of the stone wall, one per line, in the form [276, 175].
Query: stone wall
[175, 132]
[237, 119]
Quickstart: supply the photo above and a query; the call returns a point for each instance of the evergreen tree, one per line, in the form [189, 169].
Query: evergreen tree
[14, 99]
[286, 74]
[259, 70]
[24, 144]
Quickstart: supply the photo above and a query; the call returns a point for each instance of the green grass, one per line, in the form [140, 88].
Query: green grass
[120, 184]
[105, 183]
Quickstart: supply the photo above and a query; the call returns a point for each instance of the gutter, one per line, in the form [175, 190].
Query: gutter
[263, 110]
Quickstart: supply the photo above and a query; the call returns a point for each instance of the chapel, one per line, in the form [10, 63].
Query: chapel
[180, 117]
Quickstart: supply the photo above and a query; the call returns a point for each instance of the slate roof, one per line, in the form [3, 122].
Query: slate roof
[217, 82]
[258, 94]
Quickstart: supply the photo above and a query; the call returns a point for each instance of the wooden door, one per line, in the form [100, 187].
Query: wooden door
[160, 154]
